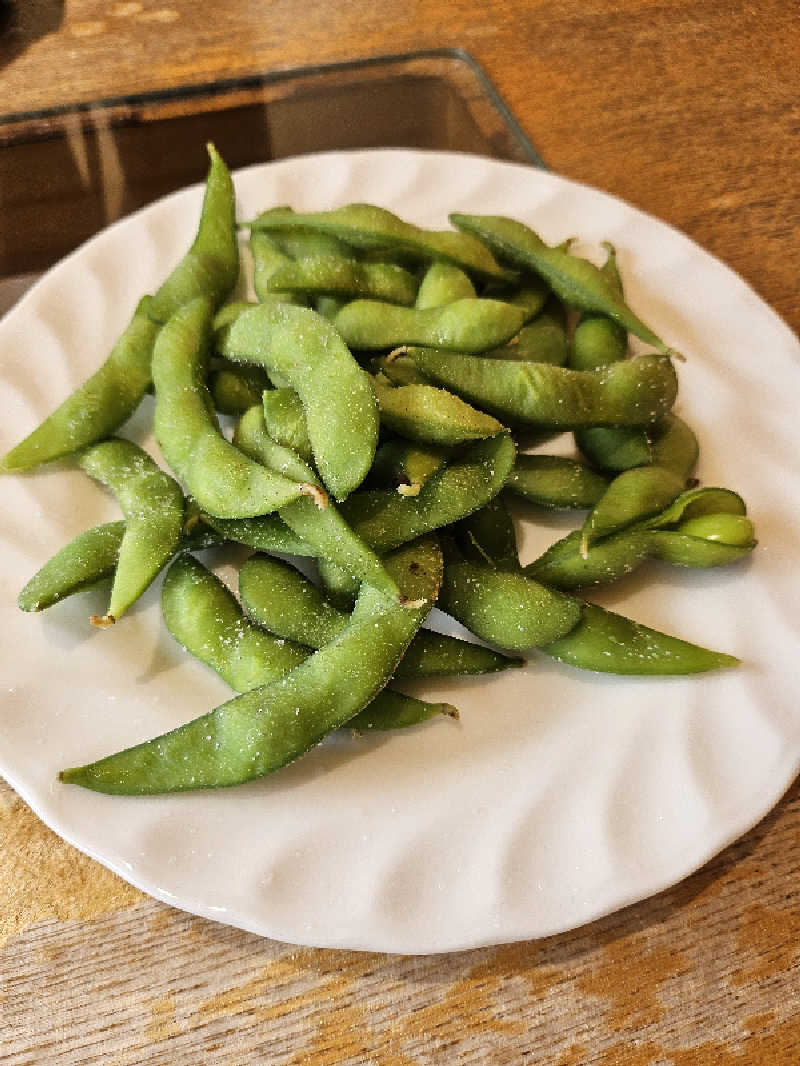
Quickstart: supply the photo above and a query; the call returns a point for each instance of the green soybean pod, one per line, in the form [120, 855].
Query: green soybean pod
[555, 482]
[99, 406]
[285, 602]
[384, 519]
[204, 617]
[263, 533]
[576, 281]
[153, 506]
[324, 530]
[262, 730]
[340, 409]
[465, 325]
[597, 339]
[695, 551]
[542, 340]
[341, 586]
[328, 275]
[395, 710]
[735, 530]
[235, 389]
[693, 503]
[282, 600]
[487, 536]
[406, 466]
[429, 415]
[670, 443]
[286, 421]
[609, 643]
[630, 497]
[308, 244]
[397, 370]
[615, 448]
[88, 558]
[634, 392]
[504, 607]
[709, 540]
[444, 283]
[217, 475]
[565, 566]
[368, 227]
[267, 259]
[211, 266]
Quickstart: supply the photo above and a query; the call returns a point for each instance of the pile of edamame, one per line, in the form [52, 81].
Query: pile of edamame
[384, 383]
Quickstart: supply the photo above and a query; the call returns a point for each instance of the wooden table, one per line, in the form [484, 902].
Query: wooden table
[690, 111]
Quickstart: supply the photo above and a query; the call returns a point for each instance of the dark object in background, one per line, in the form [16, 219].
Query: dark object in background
[24, 21]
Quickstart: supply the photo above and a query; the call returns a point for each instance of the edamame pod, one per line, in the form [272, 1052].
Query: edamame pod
[88, 558]
[406, 466]
[505, 607]
[286, 421]
[264, 729]
[611, 644]
[340, 409]
[99, 406]
[630, 497]
[263, 533]
[634, 392]
[280, 598]
[385, 519]
[429, 415]
[203, 616]
[709, 540]
[576, 281]
[487, 536]
[669, 443]
[399, 371]
[153, 507]
[338, 276]
[597, 339]
[369, 227]
[692, 503]
[211, 266]
[464, 325]
[555, 482]
[218, 476]
[325, 531]
[444, 283]
[268, 258]
[395, 710]
[235, 389]
[543, 340]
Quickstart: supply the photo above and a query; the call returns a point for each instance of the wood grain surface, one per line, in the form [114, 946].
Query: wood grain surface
[689, 110]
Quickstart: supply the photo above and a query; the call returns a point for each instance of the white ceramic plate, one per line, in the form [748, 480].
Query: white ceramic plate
[560, 795]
